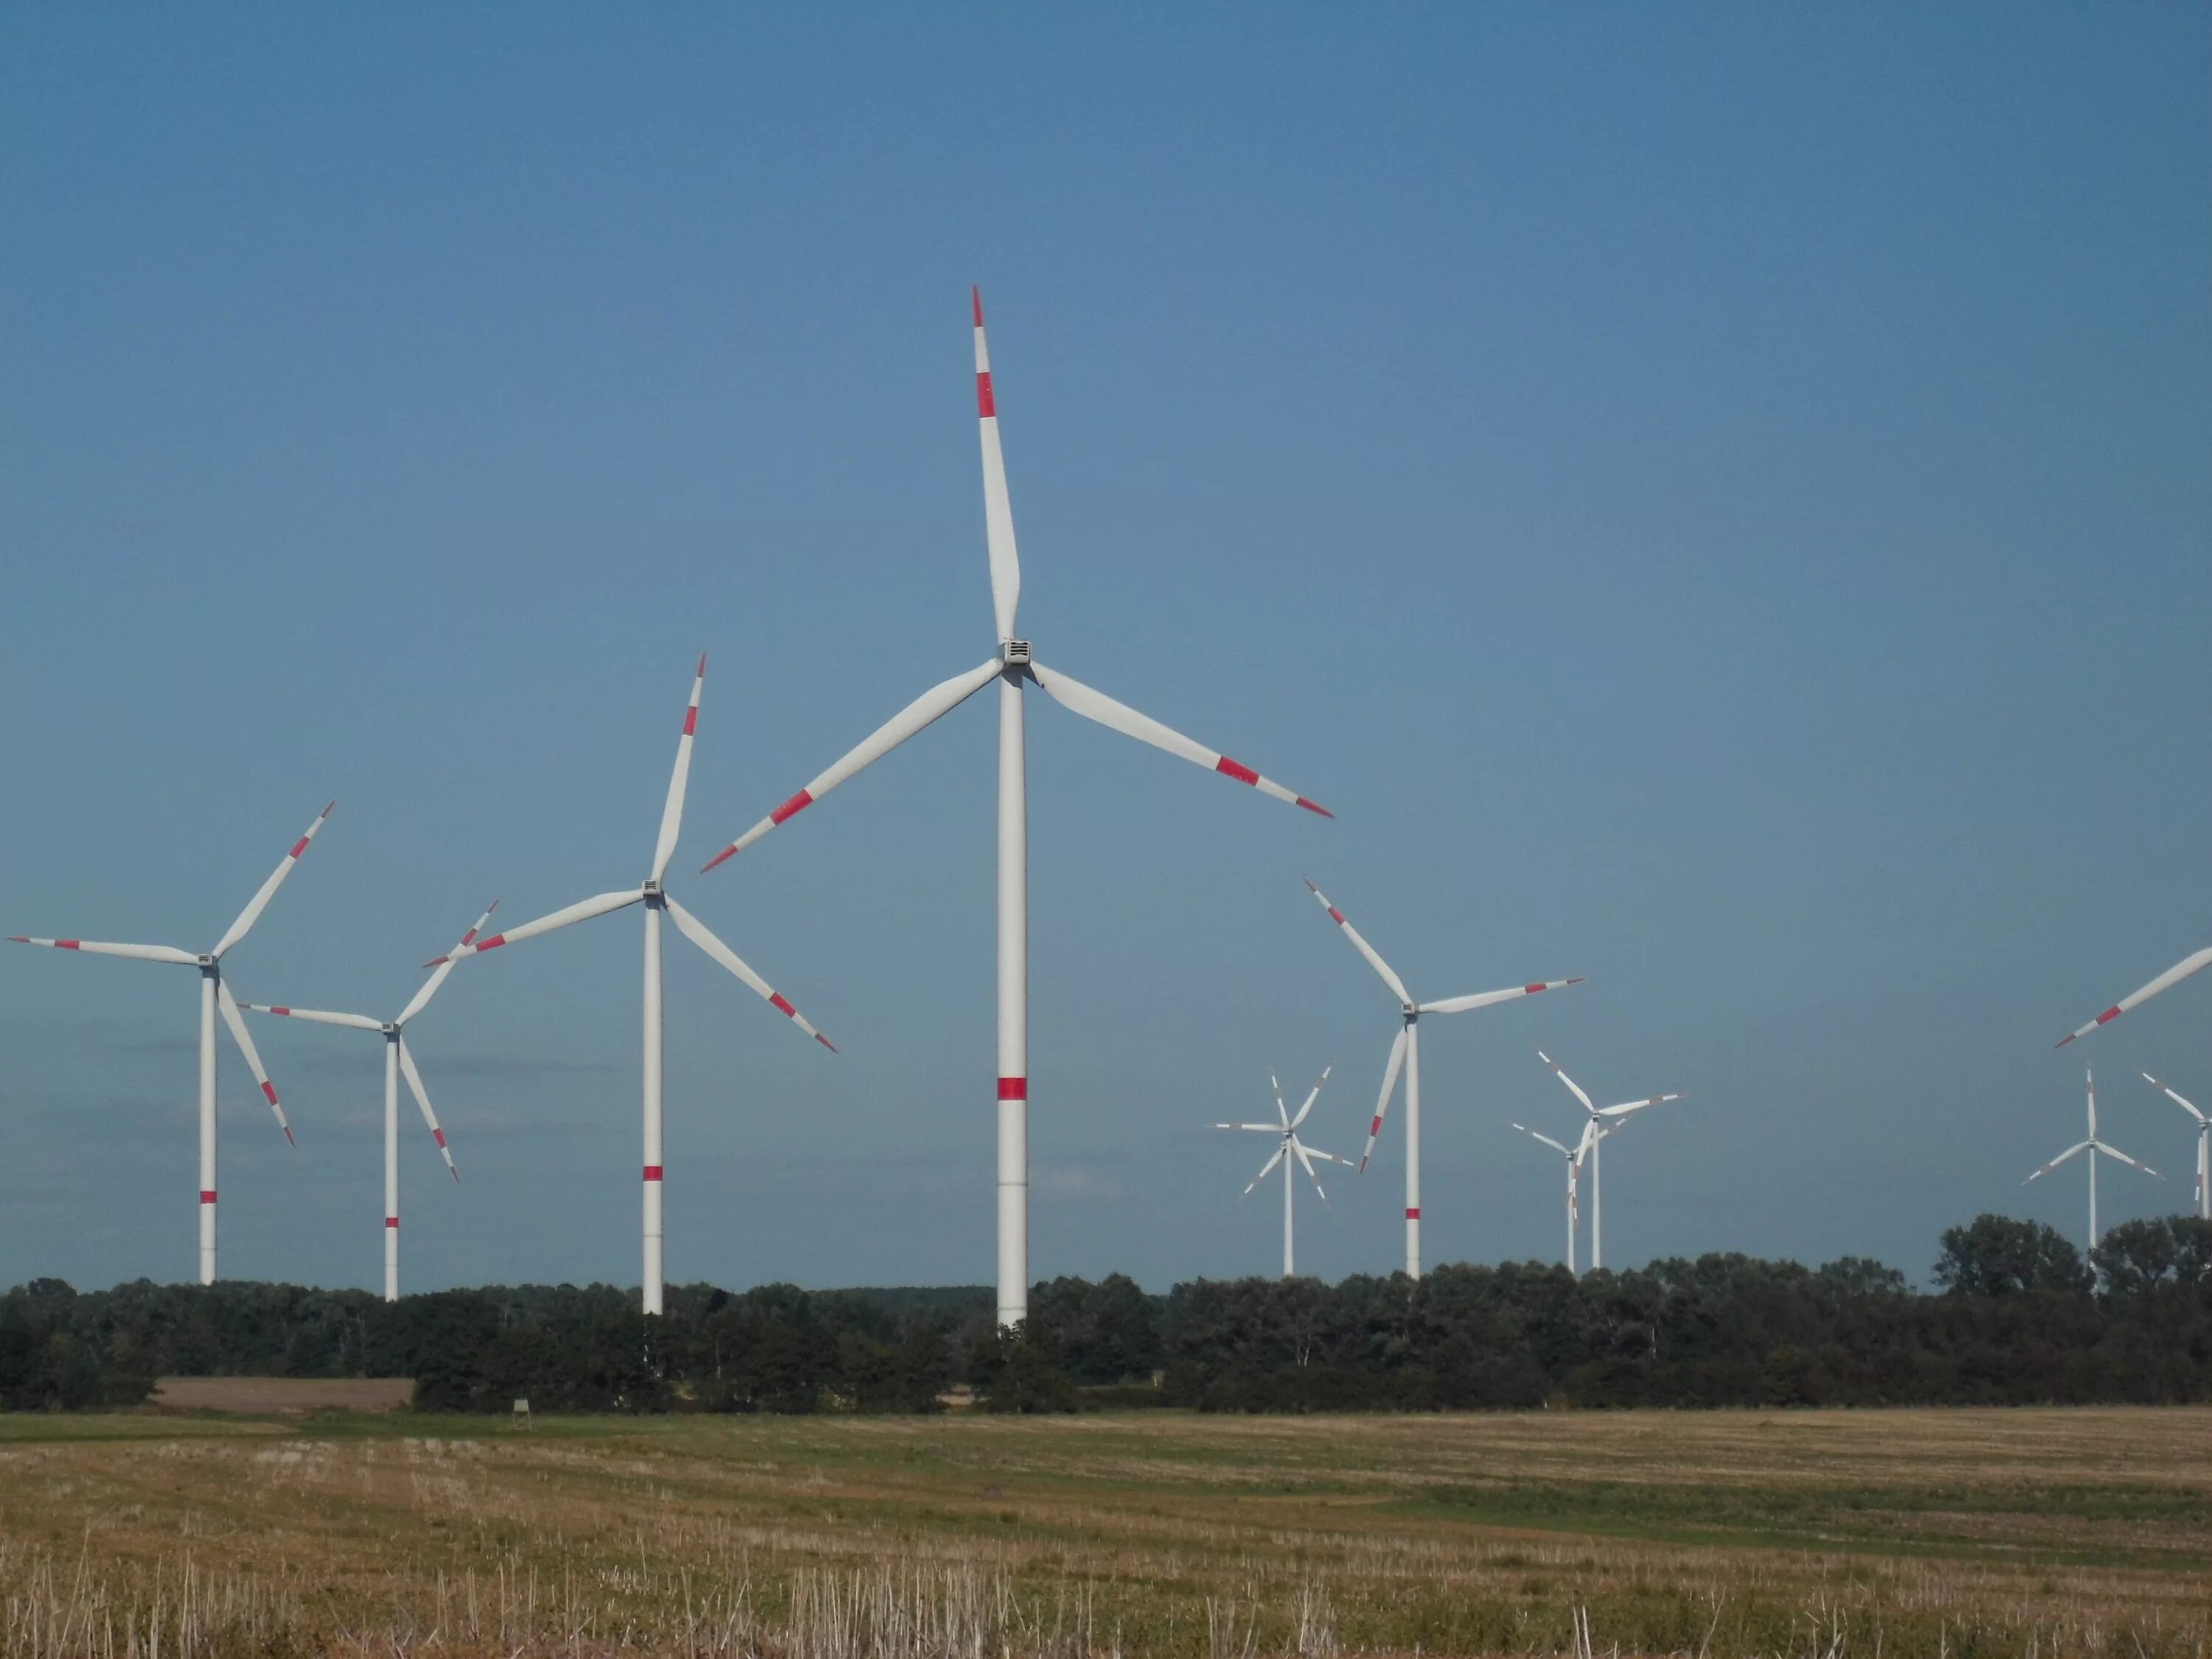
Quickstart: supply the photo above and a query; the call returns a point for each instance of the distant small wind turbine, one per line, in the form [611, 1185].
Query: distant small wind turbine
[1406, 1051]
[1597, 1112]
[2203, 1146]
[1573, 1156]
[1290, 1147]
[214, 994]
[2093, 1147]
[397, 1060]
[657, 901]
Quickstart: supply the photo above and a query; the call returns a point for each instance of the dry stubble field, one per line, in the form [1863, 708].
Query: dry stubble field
[2036, 1533]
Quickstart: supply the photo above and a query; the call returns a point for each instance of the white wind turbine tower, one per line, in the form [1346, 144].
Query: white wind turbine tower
[2173, 976]
[1291, 1147]
[1604, 1119]
[397, 1060]
[2093, 1147]
[1573, 1155]
[214, 994]
[1406, 1051]
[2203, 1144]
[651, 894]
[1012, 665]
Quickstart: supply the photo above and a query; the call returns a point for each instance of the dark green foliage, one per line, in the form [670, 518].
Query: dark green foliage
[2019, 1320]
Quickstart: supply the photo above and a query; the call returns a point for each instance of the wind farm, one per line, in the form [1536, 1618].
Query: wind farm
[1683, 535]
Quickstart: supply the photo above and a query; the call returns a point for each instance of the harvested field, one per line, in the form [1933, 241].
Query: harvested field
[261, 1396]
[2037, 1533]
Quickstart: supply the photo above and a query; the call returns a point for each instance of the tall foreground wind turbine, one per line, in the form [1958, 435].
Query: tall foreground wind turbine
[2203, 1144]
[1405, 1051]
[2093, 1147]
[2173, 976]
[1573, 1155]
[651, 894]
[1601, 1118]
[214, 994]
[1290, 1147]
[1012, 666]
[395, 1060]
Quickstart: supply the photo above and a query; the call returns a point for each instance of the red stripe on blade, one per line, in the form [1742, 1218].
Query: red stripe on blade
[207, 1197]
[2109, 1014]
[1316, 806]
[279, 1011]
[1531, 990]
[652, 1172]
[1413, 1214]
[1375, 1127]
[392, 1222]
[691, 720]
[987, 407]
[491, 943]
[1013, 1088]
[298, 847]
[269, 1089]
[437, 1135]
[65, 944]
[798, 803]
[1237, 769]
[1336, 915]
[776, 1000]
[826, 1043]
[976, 295]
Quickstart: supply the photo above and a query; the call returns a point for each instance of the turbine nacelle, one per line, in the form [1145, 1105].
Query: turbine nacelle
[1015, 653]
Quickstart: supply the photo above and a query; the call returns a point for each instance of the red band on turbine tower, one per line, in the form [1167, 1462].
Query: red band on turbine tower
[1013, 1088]
[1413, 1214]
[207, 1197]
[392, 1222]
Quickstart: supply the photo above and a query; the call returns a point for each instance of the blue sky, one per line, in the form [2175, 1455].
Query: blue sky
[1714, 497]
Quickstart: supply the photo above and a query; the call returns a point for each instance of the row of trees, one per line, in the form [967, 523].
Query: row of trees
[2018, 1317]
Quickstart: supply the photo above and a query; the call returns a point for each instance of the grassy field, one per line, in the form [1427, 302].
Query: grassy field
[2036, 1533]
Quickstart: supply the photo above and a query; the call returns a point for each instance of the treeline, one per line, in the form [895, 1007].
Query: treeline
[2017, 1317]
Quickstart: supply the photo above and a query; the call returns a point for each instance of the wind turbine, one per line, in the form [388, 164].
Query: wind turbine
[2173, 976]
[397, 1060]
[214, 994]
[1599, 1117]
[1573, 1155]
[651, 894]
[1012, 666]
[1405, 1051]
[2093, 1147]
[2203, 1149]
[1288, 1148]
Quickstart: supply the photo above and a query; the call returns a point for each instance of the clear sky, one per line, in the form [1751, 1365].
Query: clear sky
[1715, 497]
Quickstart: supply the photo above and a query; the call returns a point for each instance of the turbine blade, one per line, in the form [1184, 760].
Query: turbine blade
[422, 1099]
[938, 700]
[1264, 1169]
[1095, 705]
[1373, 958]
[1281, 1110]
[1306, 1163]
[1312, 1095]
[315, 1016]
[2078, 1146]
[2114, 1151]
[2166, 1089]
[671, 812]
[1573, 1087]
[244, 1038]
[696, 932]
[1628, 1106]
[1271, 1128]
[443, 966]
[1484, 998]
[2173, 975]
[1546, 1139]
[103, 948]
[583, 910]
[259, 901]
[998, 511]
[1383, 1100]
